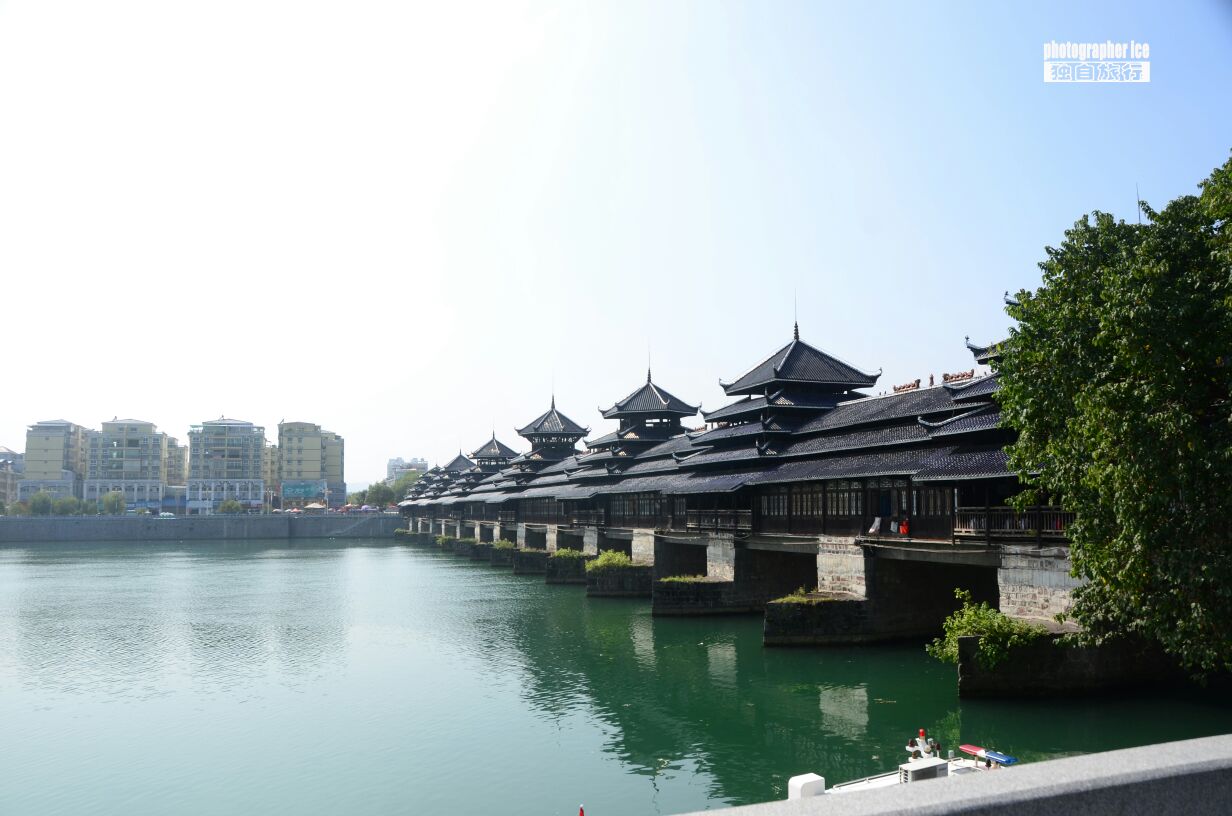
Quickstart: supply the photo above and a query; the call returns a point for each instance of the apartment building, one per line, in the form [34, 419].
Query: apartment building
[226, 460]
[175, 469]
[269, 472]
[311, 464]
[127, 456]
[55, 460]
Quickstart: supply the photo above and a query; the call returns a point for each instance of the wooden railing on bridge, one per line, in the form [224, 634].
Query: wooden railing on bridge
[719, 520]
[586, 518]
[1003, 522]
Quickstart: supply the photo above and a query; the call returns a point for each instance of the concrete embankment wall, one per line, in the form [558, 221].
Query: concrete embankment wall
[147, 528]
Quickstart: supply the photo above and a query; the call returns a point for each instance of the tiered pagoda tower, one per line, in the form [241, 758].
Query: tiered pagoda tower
[552, 437]
[648, 416]
[782, 392]
[493, 456]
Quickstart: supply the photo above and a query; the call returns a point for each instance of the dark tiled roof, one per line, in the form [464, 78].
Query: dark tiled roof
[494, 449]
[552, 422]
[901, 433]
[741, 454]
[975, 389]
[968, 463]
[924, 402]
[986, 418]
[735, 409]
[674, 445]
[799, 362]
[459, 464]
[606, 439]
[738, 432]
[649, 399]
[853, 466]
[983, 354]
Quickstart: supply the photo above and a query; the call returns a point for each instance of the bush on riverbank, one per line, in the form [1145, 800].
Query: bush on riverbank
[445, 541]
[467, 541]
[566, 553]
[998, 634]
[685, 579]
[503, 544]
[402, 532]
[609, 561]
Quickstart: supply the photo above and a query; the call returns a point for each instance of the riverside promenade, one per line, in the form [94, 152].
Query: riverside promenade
[29, 529]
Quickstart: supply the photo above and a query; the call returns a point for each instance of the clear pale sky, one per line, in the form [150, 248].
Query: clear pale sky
[409, 222]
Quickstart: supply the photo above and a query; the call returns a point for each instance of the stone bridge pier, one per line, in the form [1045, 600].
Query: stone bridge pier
[872, 590]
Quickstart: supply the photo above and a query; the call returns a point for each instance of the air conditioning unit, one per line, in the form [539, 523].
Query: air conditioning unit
[921, 769]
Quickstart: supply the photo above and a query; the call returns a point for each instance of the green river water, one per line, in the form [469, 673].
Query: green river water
[361, 678]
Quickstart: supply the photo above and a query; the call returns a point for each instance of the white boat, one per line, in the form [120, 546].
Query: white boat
[924, 761]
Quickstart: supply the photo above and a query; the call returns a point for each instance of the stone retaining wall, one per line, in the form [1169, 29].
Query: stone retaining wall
[1045, 669]
[530, 562]
[621, 582]
[565, 570]
[26, 529]
[688, 598]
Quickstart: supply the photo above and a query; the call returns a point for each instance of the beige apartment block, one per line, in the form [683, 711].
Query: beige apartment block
[128, 456]
[55, 460]
[175, 469]
[226, 460]
[311, 465]
[269, 472]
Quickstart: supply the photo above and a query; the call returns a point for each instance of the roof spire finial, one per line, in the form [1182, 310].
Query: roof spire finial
[795, 316]
[647, 362]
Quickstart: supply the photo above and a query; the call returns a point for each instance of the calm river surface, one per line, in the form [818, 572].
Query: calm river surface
[347, 677]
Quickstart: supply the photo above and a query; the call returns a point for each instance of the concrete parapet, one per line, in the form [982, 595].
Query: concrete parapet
[1188, 777]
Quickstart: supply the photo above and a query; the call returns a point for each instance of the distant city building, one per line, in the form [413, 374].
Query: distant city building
[395, 468]
[9, 479]
[311, 464]
[269, 474]
[127, 456]
[176, 467]
[226, 460]
[17, 461]
[55, 459]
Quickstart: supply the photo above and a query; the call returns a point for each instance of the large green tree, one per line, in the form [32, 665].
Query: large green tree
[1119, 381]
[379, 494]
[41, 504]
[230, 507]
[114, 504]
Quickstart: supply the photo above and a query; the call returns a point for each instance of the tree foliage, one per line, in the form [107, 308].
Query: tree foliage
[230, 507]
[1118, 380]
[998, 633]
[379, 494]
[114, 504]
[67, 506]
[41, 504]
